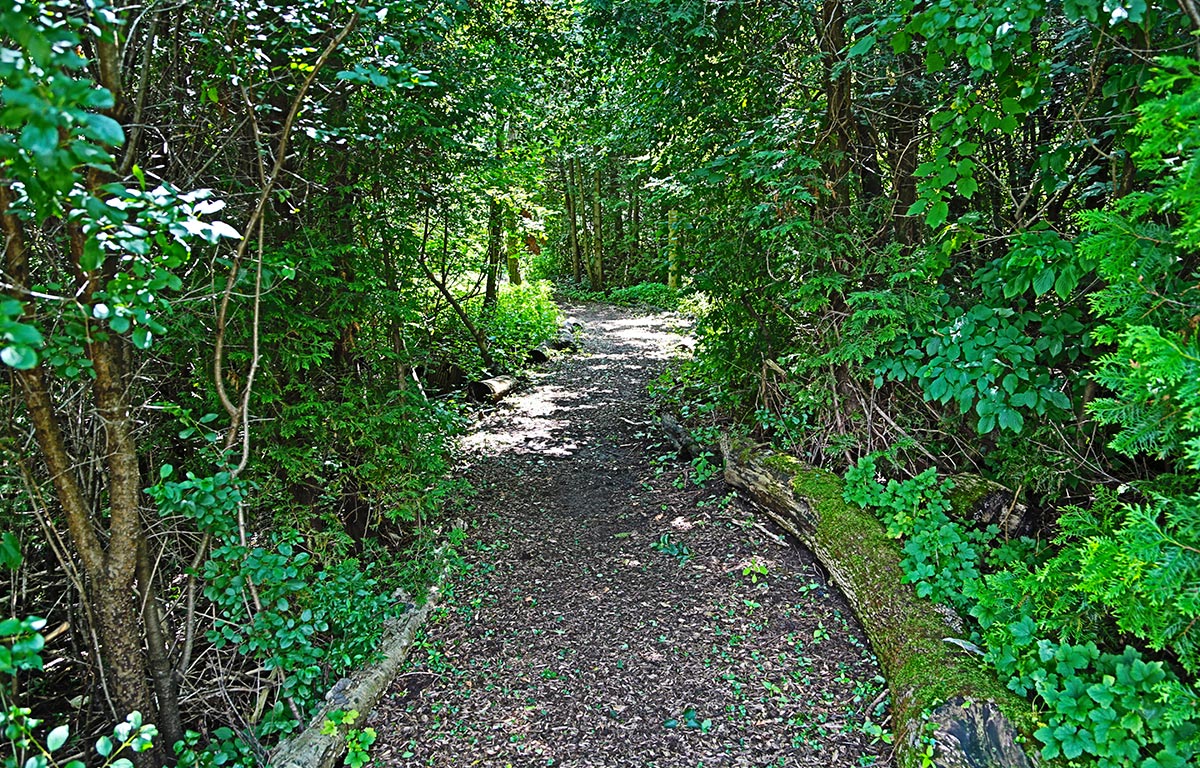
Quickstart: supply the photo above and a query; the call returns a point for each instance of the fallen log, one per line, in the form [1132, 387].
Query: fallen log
[685, 445]
[319, 746]
[985, 502]
[571, 325]
[940, 694]
[491, 390]
[543, 353]
[565, 341]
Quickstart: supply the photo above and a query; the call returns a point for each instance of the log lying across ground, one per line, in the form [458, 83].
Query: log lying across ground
[543, 353]
[939, 691]
[320, 747]
[491, 390]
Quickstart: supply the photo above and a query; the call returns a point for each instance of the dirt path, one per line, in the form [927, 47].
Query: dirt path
[615, 613]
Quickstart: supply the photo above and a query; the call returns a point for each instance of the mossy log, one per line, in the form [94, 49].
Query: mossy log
[986, 502]
[939, 691]
[491, 390]
[565, 341]
[315, 748]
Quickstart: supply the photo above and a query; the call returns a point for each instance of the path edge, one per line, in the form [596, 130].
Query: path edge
[948, 711]
[319, 746]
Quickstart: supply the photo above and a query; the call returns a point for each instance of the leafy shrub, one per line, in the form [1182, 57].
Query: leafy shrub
[21, 644]
[1044, 620]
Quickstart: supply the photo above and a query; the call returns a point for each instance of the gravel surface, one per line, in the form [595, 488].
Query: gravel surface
[616, 611]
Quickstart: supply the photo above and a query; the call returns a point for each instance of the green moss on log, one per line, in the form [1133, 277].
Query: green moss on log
[906, 632]
[874, 561]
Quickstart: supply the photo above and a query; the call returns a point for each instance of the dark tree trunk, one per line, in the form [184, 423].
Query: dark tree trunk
[495, 232]
[839, 123]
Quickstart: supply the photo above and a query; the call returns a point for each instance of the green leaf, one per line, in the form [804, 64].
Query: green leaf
[861, 47]
[1011, 420]
[92, 256]
[10, 551]
[103, 129]
[57, 737]
[104, 746]
[1043, 281]
[22, 358]
[937, 214]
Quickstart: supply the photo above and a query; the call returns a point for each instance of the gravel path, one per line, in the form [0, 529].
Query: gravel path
[614, 612]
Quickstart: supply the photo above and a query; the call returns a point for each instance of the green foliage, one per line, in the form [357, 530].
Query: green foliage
[525, 315]
[675, 549]
[997, 362]
[655, 295]
[358, 740]
[941, 556]
[276, 605]
[1044, 619]
[21, 643]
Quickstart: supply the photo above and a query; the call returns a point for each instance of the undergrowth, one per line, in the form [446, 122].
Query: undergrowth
[655, 295]
[1052, 619]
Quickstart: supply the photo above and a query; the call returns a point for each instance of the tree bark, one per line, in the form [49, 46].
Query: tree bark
[110, 568]
[493, 254]
[672, 249]
[571, 200]
[597, 271]
[316, 747]
[491, 390]
[968, 708]
[838, 119]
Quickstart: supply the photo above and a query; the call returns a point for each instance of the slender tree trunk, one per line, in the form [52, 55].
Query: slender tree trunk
[512, 247]
[110, 567]
[495, 232]
[619, 252]
[672, 249]
[597, 234]
[904, 153]
[480, 339]
[635, 230]
[572, 204]
[587, 235]
[166, 684]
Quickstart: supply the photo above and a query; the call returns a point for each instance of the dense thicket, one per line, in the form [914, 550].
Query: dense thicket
[250, 248]
[246, 244]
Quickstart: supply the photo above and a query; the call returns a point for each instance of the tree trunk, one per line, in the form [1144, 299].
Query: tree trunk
[493, 254]
[838, 120]
[480, 340]
[620, 248]
[512, 250]
[110, 567]
[968, 710]
[904, 147]
[491, 390]
[672, 249]
[597, 271]
[635, 231]
[571, 200]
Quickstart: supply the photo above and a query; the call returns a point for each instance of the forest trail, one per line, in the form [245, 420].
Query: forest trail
[580, 636]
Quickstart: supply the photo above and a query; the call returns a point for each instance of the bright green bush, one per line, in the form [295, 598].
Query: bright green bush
[1046, 619]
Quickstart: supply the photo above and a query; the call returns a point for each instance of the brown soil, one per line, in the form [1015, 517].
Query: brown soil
[615, 613]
